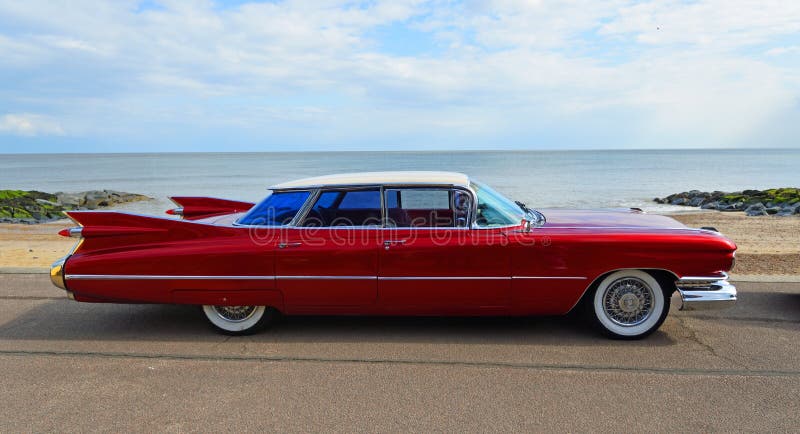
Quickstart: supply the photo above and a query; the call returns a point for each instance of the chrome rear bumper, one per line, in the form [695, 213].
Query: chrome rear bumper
[706, 293]
[57, 273]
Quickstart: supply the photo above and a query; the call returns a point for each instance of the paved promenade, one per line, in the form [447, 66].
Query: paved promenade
[70, 366]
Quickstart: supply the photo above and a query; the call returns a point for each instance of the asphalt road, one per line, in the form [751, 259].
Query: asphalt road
[70, 366]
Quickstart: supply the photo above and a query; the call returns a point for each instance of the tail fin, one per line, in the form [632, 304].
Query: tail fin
[193, 208]
[107, 230]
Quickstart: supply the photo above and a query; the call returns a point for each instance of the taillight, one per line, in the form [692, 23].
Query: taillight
[175, 211]
[71, 232]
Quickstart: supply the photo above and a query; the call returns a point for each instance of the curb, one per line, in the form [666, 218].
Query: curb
[24, 270]
[765, 278]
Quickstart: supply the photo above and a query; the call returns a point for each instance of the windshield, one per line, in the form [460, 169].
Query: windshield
[494, 209]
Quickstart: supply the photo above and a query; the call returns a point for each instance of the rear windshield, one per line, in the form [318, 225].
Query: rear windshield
[276, 210]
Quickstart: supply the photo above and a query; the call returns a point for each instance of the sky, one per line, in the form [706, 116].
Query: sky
[309, 75]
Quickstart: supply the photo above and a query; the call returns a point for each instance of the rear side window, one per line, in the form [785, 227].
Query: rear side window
[276, 210]
[345, 208]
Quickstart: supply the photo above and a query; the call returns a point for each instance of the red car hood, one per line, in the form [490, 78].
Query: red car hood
[606, 218]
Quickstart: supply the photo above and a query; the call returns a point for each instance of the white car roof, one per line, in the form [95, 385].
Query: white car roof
[379, 178]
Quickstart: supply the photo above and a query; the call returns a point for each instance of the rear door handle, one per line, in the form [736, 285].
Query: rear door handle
[285, 245]
[388, 243]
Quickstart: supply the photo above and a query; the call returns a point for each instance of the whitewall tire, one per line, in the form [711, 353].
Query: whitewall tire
[238, 320]
[629, 304]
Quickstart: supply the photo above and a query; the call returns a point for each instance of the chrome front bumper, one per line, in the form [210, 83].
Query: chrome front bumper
[706, 293]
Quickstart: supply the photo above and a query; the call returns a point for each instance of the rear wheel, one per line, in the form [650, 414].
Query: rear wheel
[629, 304]
[239, 320]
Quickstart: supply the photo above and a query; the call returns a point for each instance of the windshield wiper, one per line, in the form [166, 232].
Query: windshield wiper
[523, 206]
[539, 217]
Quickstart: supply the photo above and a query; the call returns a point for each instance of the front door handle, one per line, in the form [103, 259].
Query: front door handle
[285, 245]
[388, 243]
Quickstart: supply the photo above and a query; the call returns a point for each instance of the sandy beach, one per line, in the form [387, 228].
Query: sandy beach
[767, 245]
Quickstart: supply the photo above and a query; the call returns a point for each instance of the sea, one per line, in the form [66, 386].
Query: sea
[542, 179]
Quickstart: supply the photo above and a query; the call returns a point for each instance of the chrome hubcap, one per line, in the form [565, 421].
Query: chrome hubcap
[235, 313]
[628, 301]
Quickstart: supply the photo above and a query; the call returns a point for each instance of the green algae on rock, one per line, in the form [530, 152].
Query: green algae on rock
[20, 206]
[774, 201]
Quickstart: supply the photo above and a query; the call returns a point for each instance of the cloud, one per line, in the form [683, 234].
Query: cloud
[780, 51]
[722, 24]
[26, 124]
[313, 73]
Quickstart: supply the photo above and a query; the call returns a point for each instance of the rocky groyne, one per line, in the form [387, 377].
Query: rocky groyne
[775, 201]
[30, 207]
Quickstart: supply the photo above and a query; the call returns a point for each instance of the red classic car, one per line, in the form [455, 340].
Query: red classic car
[397, 243]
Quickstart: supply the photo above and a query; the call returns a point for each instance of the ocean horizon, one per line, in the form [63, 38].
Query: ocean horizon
[541, 178]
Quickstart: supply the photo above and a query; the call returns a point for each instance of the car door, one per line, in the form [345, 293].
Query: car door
[432, 262]
[329, 261]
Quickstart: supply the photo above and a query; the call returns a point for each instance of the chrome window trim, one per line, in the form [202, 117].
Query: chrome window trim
[303, 211]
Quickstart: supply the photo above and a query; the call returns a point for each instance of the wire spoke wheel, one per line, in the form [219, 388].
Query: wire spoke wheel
[629, 304]
[239, 320]
[628, 301]
[235, 313]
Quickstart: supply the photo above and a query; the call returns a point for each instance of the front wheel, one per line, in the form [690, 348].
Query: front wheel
[239, 320]
[629, 304]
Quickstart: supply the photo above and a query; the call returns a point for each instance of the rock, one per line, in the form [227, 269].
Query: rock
[29, 207]
[756, 210]
[775, 200]
[789, 210]
[71, 200]
[96, 199]
[46, 202]
[696, 201]
[731, 206]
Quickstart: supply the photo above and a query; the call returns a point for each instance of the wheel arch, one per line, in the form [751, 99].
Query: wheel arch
[666, 278]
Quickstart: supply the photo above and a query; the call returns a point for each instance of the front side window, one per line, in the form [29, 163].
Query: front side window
[345, 208]
[276, 210]
[427, 207]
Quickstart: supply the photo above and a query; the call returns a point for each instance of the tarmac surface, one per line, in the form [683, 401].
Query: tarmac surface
[70, 366]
